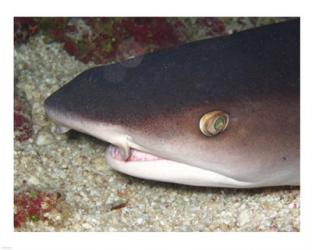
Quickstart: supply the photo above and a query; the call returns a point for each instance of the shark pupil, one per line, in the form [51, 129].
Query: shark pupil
[219, 123]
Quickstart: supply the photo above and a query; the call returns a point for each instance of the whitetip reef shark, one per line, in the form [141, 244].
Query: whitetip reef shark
[221, 112]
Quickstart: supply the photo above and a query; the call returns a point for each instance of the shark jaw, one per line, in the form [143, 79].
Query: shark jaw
[147, 166]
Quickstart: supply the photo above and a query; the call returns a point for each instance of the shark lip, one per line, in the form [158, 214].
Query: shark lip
[134, 155]
[151, 167]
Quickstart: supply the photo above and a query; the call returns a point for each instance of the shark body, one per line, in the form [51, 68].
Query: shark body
[149, 109]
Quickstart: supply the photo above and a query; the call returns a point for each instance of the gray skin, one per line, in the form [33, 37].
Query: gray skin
[158, 99]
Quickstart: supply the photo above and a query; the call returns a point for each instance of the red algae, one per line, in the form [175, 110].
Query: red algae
[106, 39]
[157, 31]
[33, 205]
[22, 119]
[24, 28]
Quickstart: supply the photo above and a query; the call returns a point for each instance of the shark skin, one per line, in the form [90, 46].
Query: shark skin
[149, 109]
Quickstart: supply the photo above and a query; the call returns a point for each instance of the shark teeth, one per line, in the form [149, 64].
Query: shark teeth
[124, 151]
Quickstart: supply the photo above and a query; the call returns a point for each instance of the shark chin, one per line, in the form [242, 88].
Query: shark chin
[147, 166]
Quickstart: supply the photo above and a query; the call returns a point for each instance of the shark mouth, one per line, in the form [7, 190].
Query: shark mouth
[147, 166]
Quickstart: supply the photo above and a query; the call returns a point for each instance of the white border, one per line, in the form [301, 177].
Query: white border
[150, 240]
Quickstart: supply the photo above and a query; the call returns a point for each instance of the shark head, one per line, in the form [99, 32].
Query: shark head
[151, 110]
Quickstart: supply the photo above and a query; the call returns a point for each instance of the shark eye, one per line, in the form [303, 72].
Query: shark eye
[213, 123]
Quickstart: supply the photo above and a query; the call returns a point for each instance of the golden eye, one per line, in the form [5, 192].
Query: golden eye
[214, 122]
